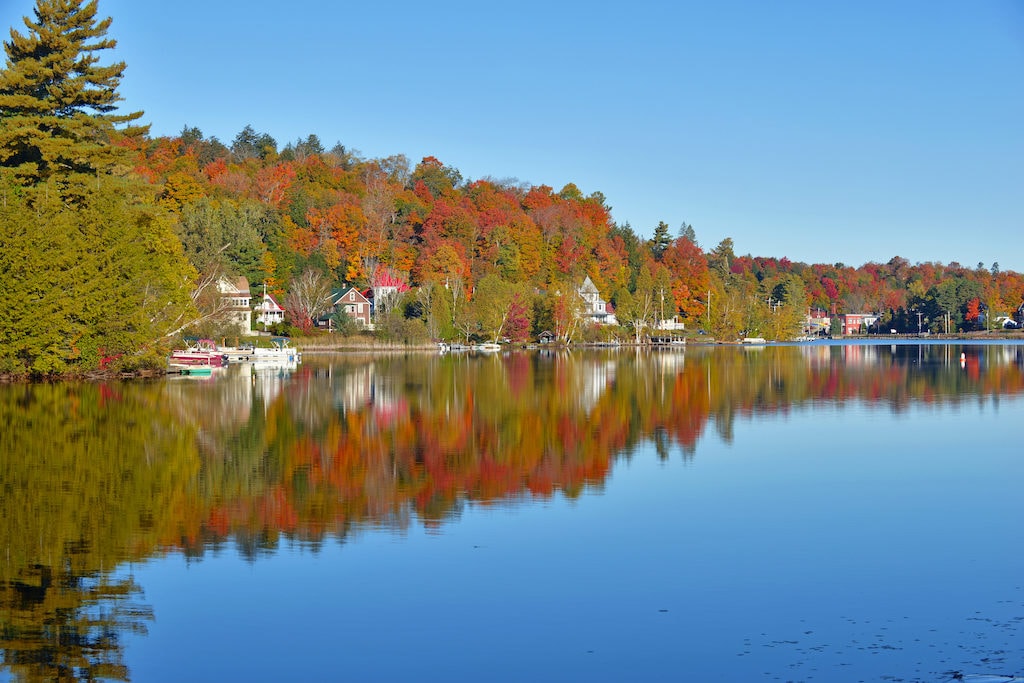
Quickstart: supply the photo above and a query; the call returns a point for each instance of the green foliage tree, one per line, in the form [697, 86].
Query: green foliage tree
[787, 300]
[491, 303]
[223, 236]
[660, 241]
[687, 232]
[437, 177]
[57, 103]
[721, 257]
[249, 144]
[98, 284]
[637, 310]
[633, 248]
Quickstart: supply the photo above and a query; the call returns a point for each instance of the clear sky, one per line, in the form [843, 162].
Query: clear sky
[821, 131]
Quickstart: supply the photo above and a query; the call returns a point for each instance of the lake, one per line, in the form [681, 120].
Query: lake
[821, 512]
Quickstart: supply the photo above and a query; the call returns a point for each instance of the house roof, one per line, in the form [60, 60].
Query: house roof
[339, 294]
[276, 306]
[588, 285]
[234, 285]
[385, 277]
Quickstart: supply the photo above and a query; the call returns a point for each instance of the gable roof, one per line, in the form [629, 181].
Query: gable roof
[233, 285]
[275, 307]
[338, 294]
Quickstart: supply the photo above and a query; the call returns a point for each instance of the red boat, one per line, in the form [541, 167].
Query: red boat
[202, 352]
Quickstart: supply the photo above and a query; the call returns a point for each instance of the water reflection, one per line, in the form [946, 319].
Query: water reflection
[97, 476]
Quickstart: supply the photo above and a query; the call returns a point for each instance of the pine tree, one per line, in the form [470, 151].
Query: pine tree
[660, 241]
[57, 103]
[100, 282]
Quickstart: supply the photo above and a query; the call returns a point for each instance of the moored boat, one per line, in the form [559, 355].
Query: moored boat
[200, 352]
[281, 352]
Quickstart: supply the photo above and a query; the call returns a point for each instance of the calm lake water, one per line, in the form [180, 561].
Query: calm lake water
[793, 513]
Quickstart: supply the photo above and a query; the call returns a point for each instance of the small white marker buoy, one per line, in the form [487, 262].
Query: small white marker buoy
[963, 357]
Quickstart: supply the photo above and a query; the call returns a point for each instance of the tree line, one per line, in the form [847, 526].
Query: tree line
[113, 240]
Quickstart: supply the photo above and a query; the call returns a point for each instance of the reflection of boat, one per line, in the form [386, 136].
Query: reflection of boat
[200, 352]
[194, 370]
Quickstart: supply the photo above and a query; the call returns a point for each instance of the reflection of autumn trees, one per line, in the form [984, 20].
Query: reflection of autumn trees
[96, 475]
[351, 441]
[369, 441]
[88, 474]
[61, 626]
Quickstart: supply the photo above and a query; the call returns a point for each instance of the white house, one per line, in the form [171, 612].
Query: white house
[236, 299]
[386, 286]
[268, 311]
[595, 309]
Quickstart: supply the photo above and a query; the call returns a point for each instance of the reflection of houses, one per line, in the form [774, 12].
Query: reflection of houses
[857, 323]
[268, 311]
[595, 309]
[354, 304]
[356, 388]
[235, 295]
[595, 378]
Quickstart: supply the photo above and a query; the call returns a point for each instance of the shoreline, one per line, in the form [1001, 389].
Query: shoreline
[318, 347]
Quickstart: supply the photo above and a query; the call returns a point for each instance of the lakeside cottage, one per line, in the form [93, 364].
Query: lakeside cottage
[355, 304]
[268, 311]
[235, 298]
[595, 309]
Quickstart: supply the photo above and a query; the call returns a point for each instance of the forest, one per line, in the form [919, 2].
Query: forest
[112, 241]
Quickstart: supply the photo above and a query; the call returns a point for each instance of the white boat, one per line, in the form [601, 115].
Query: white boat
[488, 347]
[280, 353]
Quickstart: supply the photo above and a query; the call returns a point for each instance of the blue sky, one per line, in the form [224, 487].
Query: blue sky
[821, 131]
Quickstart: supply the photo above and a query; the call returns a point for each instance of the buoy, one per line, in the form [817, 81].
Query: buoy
[963, 357]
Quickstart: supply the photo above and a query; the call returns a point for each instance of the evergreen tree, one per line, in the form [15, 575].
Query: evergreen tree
[687, 232]
[57, 103]
[98, 284]
[660, 241]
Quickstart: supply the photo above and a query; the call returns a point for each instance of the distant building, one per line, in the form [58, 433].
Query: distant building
[355, 305]
[818, 322]
[595, 309]
[268, 311]
[235, 298]
[857, 323]
[386, 287]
